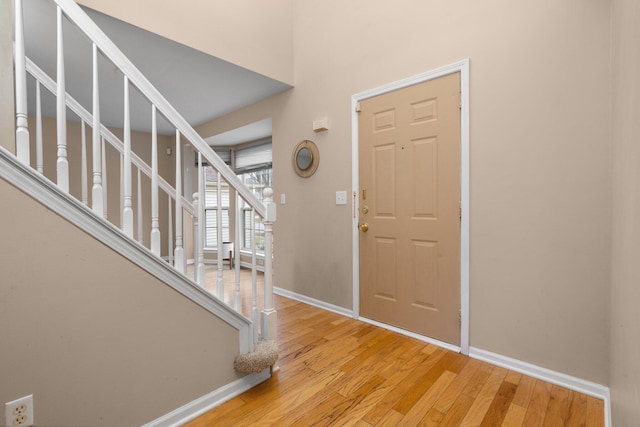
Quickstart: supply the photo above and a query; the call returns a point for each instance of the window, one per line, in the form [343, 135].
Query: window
[256, 181]
[211, 208]
[253, 166]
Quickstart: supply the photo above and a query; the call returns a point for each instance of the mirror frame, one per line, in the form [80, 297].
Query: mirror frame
[315, 158]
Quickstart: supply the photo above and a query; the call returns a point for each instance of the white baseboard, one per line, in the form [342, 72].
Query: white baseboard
[312, 301]
[572, 383]
[259, 268]
[419, 337]
[209, 401]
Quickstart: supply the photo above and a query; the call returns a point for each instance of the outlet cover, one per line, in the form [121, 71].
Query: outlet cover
[341, 197]
[19, 412]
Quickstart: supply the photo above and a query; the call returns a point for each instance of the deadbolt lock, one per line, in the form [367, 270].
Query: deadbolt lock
[365, 209]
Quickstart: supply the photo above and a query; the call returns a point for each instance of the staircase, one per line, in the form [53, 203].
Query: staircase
[175, 220]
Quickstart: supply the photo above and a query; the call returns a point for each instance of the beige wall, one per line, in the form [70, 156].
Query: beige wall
[98, 341]
[540, 181]
[252, 34]
[7, 117]
[625, 293]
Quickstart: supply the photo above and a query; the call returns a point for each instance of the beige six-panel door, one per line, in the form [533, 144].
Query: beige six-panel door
[409, 216]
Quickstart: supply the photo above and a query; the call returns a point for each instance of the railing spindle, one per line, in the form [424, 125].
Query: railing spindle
[105, 198]
[83, 165]
[236, 249]
[39, 152]
[269, 315]
[220, 282]
[196, 237]
[155, 217]
[98, 199]
[121, 198]
[62, 164]
[179, 251]
[139, 205]
[170, 232]
[254, 276]
[199, 231]
[127, 210]
[22, 129]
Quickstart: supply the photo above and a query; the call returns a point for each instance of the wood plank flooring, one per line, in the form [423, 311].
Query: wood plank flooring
[338, 371]
[229, 280]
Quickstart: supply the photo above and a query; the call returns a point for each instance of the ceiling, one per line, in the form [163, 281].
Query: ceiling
[251, 132]
[201, 87]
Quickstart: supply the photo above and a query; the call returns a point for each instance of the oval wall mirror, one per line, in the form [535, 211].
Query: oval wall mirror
[305, 158]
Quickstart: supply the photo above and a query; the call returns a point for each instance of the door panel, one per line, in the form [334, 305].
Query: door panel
[409, 152]
[425, 172]
[386, 285]
[384, 170]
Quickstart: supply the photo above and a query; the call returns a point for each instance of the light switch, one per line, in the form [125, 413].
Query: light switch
[341, 197]
[283, 199]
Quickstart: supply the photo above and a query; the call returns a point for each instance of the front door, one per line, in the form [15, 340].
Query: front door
[409, 218]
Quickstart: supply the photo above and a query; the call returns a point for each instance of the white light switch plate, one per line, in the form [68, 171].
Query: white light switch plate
[341, 197]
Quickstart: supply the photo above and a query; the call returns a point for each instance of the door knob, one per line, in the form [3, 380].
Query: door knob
[363, 227]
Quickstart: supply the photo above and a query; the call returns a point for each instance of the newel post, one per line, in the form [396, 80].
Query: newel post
[269, 314]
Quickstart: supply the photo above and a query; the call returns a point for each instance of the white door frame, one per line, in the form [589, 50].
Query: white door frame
[463, 68]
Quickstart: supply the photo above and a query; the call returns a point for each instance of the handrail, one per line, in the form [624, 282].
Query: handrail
[111, 51]
[85, 116]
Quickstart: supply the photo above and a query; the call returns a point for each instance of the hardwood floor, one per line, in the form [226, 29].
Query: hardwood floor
[338, 371]
[229, 279]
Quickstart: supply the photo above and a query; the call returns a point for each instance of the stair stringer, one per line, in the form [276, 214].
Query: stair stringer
[46, 192]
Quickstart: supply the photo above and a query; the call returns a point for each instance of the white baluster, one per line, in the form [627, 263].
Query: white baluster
[105, 199]
[22, 129]
[127, 210]
[236, 257]
[39, 152]
[83, 165]
[98, 192]
[254, 277]
[200, 230]
[121, 198]
[170, 232]
[155, 217]
[197, 248]
[220, 282]
[62, 164]
[179, 251]
[269, 314]
[139, 206]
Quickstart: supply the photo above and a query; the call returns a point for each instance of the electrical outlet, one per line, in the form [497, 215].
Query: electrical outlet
[19, 412]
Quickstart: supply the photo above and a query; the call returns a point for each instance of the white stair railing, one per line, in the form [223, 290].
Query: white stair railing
[101, 137]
